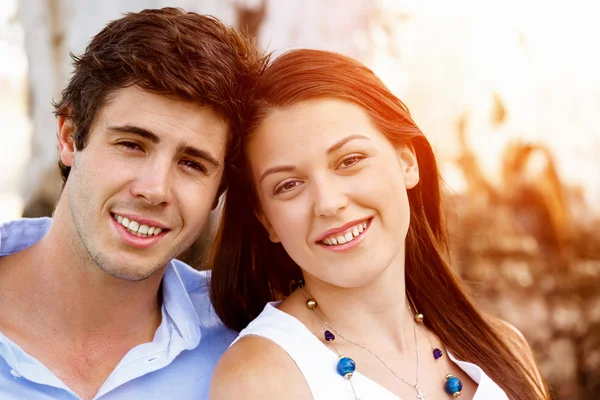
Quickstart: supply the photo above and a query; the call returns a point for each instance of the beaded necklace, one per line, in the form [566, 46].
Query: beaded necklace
[346, 366]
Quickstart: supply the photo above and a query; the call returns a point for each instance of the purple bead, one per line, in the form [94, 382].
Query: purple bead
[328, 336]
[437, 353]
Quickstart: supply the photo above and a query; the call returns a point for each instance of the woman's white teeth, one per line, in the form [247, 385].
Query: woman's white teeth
[347, 237]
[137, 228]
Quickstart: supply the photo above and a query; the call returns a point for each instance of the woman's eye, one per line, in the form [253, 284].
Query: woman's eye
[286, 187]
[350, 161]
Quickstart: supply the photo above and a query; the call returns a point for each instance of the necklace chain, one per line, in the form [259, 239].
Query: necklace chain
[324, 322]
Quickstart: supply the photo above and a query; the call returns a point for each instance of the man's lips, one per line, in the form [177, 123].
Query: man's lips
[140, 220]
[135, 239]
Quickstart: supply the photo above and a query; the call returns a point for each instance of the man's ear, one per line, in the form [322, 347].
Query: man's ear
[66, 140]
[409, 165]
[265, 222]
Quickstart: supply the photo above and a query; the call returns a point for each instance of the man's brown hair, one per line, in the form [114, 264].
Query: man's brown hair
[168, 51]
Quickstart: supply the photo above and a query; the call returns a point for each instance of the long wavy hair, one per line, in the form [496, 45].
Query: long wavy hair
[249, 270]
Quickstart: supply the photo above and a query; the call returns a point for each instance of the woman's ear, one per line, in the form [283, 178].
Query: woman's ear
[265, 222]
[410, 167]
[66, 140]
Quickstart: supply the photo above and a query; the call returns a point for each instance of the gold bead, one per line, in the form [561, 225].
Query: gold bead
[419, 318]
[311, 303]
[448, 376]
[457, 394]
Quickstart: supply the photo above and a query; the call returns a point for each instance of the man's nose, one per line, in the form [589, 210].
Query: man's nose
[154, 183]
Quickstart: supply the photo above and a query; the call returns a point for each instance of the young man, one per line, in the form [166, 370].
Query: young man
[94, 306]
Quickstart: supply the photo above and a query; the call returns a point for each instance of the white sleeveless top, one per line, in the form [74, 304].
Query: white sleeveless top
[318, 363]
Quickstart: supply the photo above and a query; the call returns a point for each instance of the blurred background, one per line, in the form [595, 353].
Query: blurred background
[507, 92]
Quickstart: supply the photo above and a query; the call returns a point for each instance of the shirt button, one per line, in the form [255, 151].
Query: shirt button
[15, 374]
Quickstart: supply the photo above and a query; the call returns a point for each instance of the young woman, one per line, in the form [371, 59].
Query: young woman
[333, 257]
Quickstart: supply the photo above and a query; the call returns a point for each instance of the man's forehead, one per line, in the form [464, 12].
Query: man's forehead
[135, 106]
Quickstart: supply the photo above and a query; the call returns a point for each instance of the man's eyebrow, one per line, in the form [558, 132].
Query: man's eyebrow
[281, 168]
[136, 130]
[191, 151]
[345, 140]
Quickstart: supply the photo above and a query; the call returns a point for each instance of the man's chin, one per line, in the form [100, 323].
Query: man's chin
[128, 271]
[132, 276]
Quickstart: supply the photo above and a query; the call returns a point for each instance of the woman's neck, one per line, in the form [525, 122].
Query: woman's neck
[377, 311]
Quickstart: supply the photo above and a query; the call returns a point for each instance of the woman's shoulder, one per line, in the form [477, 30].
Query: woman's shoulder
[520, 348]
[514, 339]
[508, 331]
[257, 368]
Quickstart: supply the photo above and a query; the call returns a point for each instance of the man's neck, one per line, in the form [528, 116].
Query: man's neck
[71, 295]
[72, 316]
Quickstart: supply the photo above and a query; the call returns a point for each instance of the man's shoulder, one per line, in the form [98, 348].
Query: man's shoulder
[19, 234]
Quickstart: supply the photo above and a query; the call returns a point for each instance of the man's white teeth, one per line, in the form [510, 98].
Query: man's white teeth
[137, 228]
[133, 226]
[347, 237]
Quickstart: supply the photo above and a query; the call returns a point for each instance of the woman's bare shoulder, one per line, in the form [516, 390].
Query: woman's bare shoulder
[521, 350]
[257, 368]
[513, 338]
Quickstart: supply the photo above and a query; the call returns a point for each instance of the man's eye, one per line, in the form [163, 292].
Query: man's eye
[193, 165]
[129, 145]
[286, 187]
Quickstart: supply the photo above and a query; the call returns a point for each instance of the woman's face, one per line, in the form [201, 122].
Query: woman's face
[332, 190]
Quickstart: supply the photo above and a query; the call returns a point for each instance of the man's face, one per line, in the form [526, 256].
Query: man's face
[142, 189]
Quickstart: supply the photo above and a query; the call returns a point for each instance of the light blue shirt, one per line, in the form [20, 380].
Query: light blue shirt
[177, 364]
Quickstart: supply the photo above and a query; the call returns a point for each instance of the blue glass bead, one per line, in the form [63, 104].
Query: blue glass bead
[328, 336]
[453, 385]
[346, 367]
[437, 353]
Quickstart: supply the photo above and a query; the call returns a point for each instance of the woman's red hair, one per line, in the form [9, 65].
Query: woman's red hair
[249, 270]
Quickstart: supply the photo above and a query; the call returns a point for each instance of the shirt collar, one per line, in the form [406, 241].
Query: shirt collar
[179, 306]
